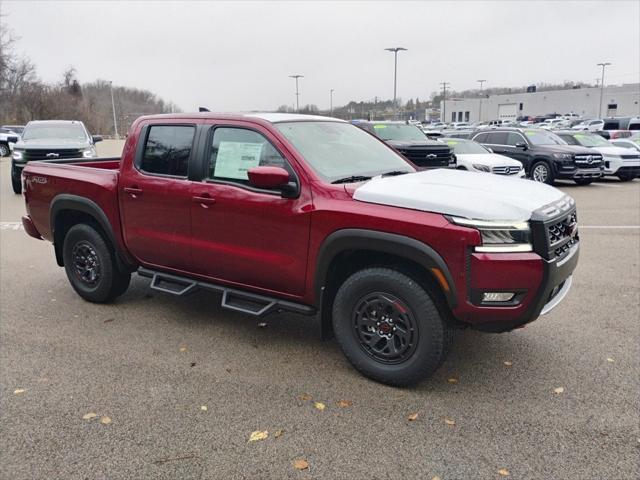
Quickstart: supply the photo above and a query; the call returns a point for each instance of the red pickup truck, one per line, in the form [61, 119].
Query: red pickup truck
[311, 215]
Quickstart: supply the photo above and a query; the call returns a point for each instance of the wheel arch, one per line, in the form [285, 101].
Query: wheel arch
[348, 250]
[68, 210]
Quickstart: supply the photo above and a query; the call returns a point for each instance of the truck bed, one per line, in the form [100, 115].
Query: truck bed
[95, 179]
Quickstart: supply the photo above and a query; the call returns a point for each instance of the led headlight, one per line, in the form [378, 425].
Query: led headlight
[17, 155]
[482, 168]
[562, 156]
[499, 236]
[89, 152]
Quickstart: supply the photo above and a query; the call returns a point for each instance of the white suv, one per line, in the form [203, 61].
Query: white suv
[590, 125]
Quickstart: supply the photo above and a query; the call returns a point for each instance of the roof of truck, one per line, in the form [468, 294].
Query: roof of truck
[266, 116]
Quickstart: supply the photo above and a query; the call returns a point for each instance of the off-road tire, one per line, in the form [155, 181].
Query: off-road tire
[83, 241]
[433, 334]
[548, 178]
[16, 181]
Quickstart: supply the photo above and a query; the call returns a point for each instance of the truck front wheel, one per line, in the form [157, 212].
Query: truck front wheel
[389, 328]
[16, 181]
[91, 266]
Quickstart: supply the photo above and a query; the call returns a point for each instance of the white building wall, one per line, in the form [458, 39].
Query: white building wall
[583, 101]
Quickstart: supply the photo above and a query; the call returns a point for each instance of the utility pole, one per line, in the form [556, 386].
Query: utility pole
[113, 107]
[331, 102]
[296, 76]
[395, 51]
[480, 112]
[444, 100]
[601, 87]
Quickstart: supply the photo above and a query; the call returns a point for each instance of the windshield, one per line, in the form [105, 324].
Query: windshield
[462, 147]
[591, 140]
[68, 131]
[542, 137]
[337, 150]
[398, 131]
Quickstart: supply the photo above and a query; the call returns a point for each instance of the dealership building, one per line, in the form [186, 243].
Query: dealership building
[618, 101]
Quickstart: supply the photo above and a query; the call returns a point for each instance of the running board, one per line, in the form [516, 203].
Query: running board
[232, 299]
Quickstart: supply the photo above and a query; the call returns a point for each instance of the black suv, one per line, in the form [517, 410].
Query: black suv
[411, 142]
[544, 155]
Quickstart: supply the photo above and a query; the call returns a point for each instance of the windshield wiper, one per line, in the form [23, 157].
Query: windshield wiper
[352, 179]
[393, 173]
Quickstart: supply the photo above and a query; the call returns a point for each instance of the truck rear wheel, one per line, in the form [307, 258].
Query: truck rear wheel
[389, 328]
[91, 266]
[16, 181]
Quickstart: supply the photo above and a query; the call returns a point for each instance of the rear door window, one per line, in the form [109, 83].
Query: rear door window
[167, 150]
[497, 138]
[481, 138]
[514, 139]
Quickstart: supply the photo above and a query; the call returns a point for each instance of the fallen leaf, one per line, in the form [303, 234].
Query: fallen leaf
[258, 435]
[413, 417]
[558, 390]
[452, 380]
[204, 408]
[228, 370]
[76, 316]
[344, 403]
[278, 433]
[504, 472]
[53, 299]
[18, 391]
[262, 324]
[183, 349]
[108, 320]
[105, 420]
[319, 405]
[89, 416]
[305, 397]
[193, 364]
[301, 464]
[610, 360]
[508, 363]
[436, 478]
[449, 422]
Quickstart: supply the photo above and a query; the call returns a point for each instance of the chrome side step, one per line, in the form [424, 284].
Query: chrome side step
[232, 299]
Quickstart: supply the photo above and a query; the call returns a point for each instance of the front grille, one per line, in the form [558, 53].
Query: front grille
[427, 157]
[561, 230]
[512, 170]
[53, 154]
[560, 251]
[588, 160]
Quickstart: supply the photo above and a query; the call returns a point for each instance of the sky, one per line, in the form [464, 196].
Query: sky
[237, 56]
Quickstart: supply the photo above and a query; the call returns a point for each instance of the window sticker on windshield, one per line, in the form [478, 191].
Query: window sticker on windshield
[379, 126]
[580, 135]
[234, 159]
[530, 133]
[452, 142]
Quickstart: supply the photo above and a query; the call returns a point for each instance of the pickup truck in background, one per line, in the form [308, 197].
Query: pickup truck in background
[305, 214]
[50, 140]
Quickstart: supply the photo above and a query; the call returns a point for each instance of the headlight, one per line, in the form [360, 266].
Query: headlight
[482, 168]
[562, 156]
[499, 236]
[17, 155]
[89, 153]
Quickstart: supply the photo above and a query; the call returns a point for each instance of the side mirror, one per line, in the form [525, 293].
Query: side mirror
[12, 139]
[96, 138]
[273, 177]
[522, 146]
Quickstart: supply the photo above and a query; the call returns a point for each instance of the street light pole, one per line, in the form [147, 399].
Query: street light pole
[601, 87]
[296, 76]
[480, 112]
[113, 107]
[395, 51]
[444, 101]
[331, 102]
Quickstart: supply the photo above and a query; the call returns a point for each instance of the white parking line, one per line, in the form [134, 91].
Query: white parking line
[11, 226]
[610, 226]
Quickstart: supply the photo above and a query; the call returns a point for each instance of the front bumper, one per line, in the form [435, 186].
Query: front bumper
[613, 165]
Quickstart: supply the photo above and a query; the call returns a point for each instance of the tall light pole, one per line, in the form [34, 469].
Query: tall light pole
[444, 101]
[480, 112]
[602, 87]
[113, 107]
[296, 76]
[331, 102]
[395, 51]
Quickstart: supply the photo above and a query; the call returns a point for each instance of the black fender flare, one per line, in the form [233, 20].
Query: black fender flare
[383, 242]
[77, 203]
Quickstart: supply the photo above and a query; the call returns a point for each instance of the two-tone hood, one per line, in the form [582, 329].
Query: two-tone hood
[459, 193]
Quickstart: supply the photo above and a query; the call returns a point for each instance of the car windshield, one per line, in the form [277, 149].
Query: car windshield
[336, 150]
[542, 137]
[68, 131]
[591, 140]
[465, 147]
[398, 131]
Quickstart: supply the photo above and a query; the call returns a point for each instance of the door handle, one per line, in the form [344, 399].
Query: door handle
[133, 191]
[204, 200]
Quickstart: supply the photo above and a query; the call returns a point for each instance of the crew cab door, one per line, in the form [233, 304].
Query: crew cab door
[244, 235]
[155, 196]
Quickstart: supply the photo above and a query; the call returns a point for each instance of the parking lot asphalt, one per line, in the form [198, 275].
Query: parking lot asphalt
[564, 406]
